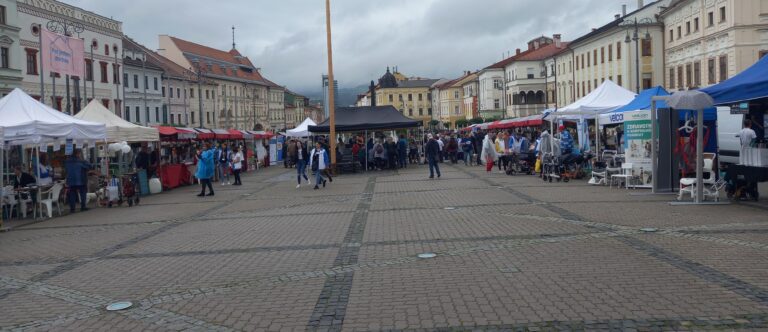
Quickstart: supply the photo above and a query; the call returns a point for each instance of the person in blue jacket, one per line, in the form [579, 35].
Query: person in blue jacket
[402, 151]
[77, 180]
[205, 169]
[320, 162]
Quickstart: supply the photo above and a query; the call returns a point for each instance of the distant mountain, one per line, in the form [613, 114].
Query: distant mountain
[347, 96]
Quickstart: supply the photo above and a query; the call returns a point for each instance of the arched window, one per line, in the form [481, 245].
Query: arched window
[530, 98]
[540, 97]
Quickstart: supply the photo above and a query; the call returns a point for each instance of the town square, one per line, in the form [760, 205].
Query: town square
[303, 171]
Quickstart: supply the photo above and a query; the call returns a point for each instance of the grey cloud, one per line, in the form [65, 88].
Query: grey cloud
[429, 38]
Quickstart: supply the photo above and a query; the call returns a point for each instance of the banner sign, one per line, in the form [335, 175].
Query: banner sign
[62, 54]
[637, 145]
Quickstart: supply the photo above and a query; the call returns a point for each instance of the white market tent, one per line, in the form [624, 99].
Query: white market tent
[607, 97]
[118, 130]
[25, 120]
[301, 130]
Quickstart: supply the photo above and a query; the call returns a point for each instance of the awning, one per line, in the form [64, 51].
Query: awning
[260, 134]
[205, 133]
[221, 133]
[173, 133]
[236, 134]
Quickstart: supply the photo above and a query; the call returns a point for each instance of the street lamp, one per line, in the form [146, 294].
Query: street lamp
[635, 24]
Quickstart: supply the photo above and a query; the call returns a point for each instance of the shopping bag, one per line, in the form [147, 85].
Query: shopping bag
[537, 168]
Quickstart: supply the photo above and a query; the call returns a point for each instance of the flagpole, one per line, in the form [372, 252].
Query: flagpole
[42, 70]
[331, 101]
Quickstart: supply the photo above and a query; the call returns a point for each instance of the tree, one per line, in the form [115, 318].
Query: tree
[461, 123]
[447, 125]
[476, 121]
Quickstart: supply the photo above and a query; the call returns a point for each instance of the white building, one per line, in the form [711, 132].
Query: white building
[142, 85]
[103, 43]
[710, 41]
[490, 94]
[528, 78]
[11, 60]
[612, 52]
[470, 101]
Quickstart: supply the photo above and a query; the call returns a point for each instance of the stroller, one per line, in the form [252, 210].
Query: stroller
[522, 163]
[573, 166]
[130, 189]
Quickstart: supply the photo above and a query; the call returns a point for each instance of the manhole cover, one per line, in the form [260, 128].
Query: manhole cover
[649, 230]
[119, 306]
[449, 208]
[427, 255]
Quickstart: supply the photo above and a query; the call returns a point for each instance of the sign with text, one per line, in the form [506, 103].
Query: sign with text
[62, 54]
[637, 145]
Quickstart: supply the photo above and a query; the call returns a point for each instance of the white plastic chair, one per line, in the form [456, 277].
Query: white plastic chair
[626, 175]
[51, 197]
[688, 185]
[9, 199]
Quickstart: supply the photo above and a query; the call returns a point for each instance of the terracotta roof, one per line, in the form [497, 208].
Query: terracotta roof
[170, 68]
[542, 53]
[222, 63]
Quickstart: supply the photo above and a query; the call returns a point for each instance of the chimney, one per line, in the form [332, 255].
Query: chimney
[517, 51]
[616, 17]
[623, 10]
[640, 4]
[558, 38]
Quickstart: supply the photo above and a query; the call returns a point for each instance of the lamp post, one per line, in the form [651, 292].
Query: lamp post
[634, 24]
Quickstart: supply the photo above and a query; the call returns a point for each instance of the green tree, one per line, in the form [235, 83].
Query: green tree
[476, 121]
[447, 125]
[461, 123]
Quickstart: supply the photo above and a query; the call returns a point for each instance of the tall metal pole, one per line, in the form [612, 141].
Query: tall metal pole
[42, 68]
[93, 79]
[637, 57]
[116, 69]
[125, 82]
[331, 101]
[146, 82]
[199, 92]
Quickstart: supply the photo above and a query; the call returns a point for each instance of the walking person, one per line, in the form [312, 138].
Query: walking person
[467, 147]
[237, 164]
[489, 152]
[300, 158]
[432, 152]
[320, 162]
[205, 169]
[453, 150]
[224, 157]
[77, 180]
[392, 157]
[402, 151]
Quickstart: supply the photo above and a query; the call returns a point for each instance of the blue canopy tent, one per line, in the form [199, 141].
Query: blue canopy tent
[750, 84]
[641, 102]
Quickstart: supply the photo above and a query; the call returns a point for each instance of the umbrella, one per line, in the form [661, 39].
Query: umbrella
[697, 101]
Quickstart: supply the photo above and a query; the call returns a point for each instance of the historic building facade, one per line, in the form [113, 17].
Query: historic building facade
[528, 78]
[410, 96]
[103, 63]
[242, 95]
[142, 86]
[709, 41]
[470, 88]
[11, 59]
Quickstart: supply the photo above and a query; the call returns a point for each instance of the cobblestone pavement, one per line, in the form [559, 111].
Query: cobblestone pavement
[513, 253]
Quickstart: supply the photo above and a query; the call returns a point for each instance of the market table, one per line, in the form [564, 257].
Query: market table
[174, 176]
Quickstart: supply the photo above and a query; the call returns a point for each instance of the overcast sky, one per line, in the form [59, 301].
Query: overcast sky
[428, 38]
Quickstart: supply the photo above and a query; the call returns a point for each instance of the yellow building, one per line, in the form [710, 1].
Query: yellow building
[451, 99]
[411, 96]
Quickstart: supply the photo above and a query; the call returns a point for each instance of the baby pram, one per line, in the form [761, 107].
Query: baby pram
[551, 165]
[522, 163]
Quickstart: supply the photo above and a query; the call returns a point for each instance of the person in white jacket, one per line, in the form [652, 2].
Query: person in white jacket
[489, 155]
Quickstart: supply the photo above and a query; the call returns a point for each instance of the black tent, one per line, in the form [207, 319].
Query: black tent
[366, 118]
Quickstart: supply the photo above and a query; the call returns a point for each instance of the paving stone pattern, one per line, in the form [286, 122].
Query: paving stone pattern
[513, 254]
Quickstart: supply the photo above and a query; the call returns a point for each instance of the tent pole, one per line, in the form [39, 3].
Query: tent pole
[654, 161]
[365, 143]
[597, 135]
[37, 171]
[699, 155]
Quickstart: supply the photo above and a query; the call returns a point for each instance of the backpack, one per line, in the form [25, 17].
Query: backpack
[315, 161]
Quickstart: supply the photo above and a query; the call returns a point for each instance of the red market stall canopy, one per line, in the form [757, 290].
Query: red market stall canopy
[205, 133]
[261, 134]
[222, 134]
[239, 134]
[173, 133]
[528, 121]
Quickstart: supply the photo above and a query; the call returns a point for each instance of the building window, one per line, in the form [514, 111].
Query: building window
[680, 81]
[2, 15]
[688, 28]
[456, 94]
[125, 79]
[723, 65]
[610, 53]
[429, 111]
[589, 87]
[671, 78]
[647, 47]
[589, 61]
[410, 97]
[722, 14]
[192, 116]
[104, 78]
[128, 113]
[697, 74]
[146, 82]
[619, 80]
[116, 73]
[711, 71]
[689, 75]
[390, 98]
[88, 70]
[421, 97]
[400, 97]
[4, 61]
[135, 81]
[146, 112]
[154, 81]
[163, 91]
[170, 91]
[207, 94]
[31, 61]
[192, 93]
[410, 112]
[594, 57]
[679, 32]
[710, 19]
[671, 35]
[105, 102]
[178, 93]
[138, 114]
[595, 83]
[157, 114]
[496, 104]
[696, 24]
[602, 55]
[618, 51]
[647, 81]
[106, 49]
[421, 111]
